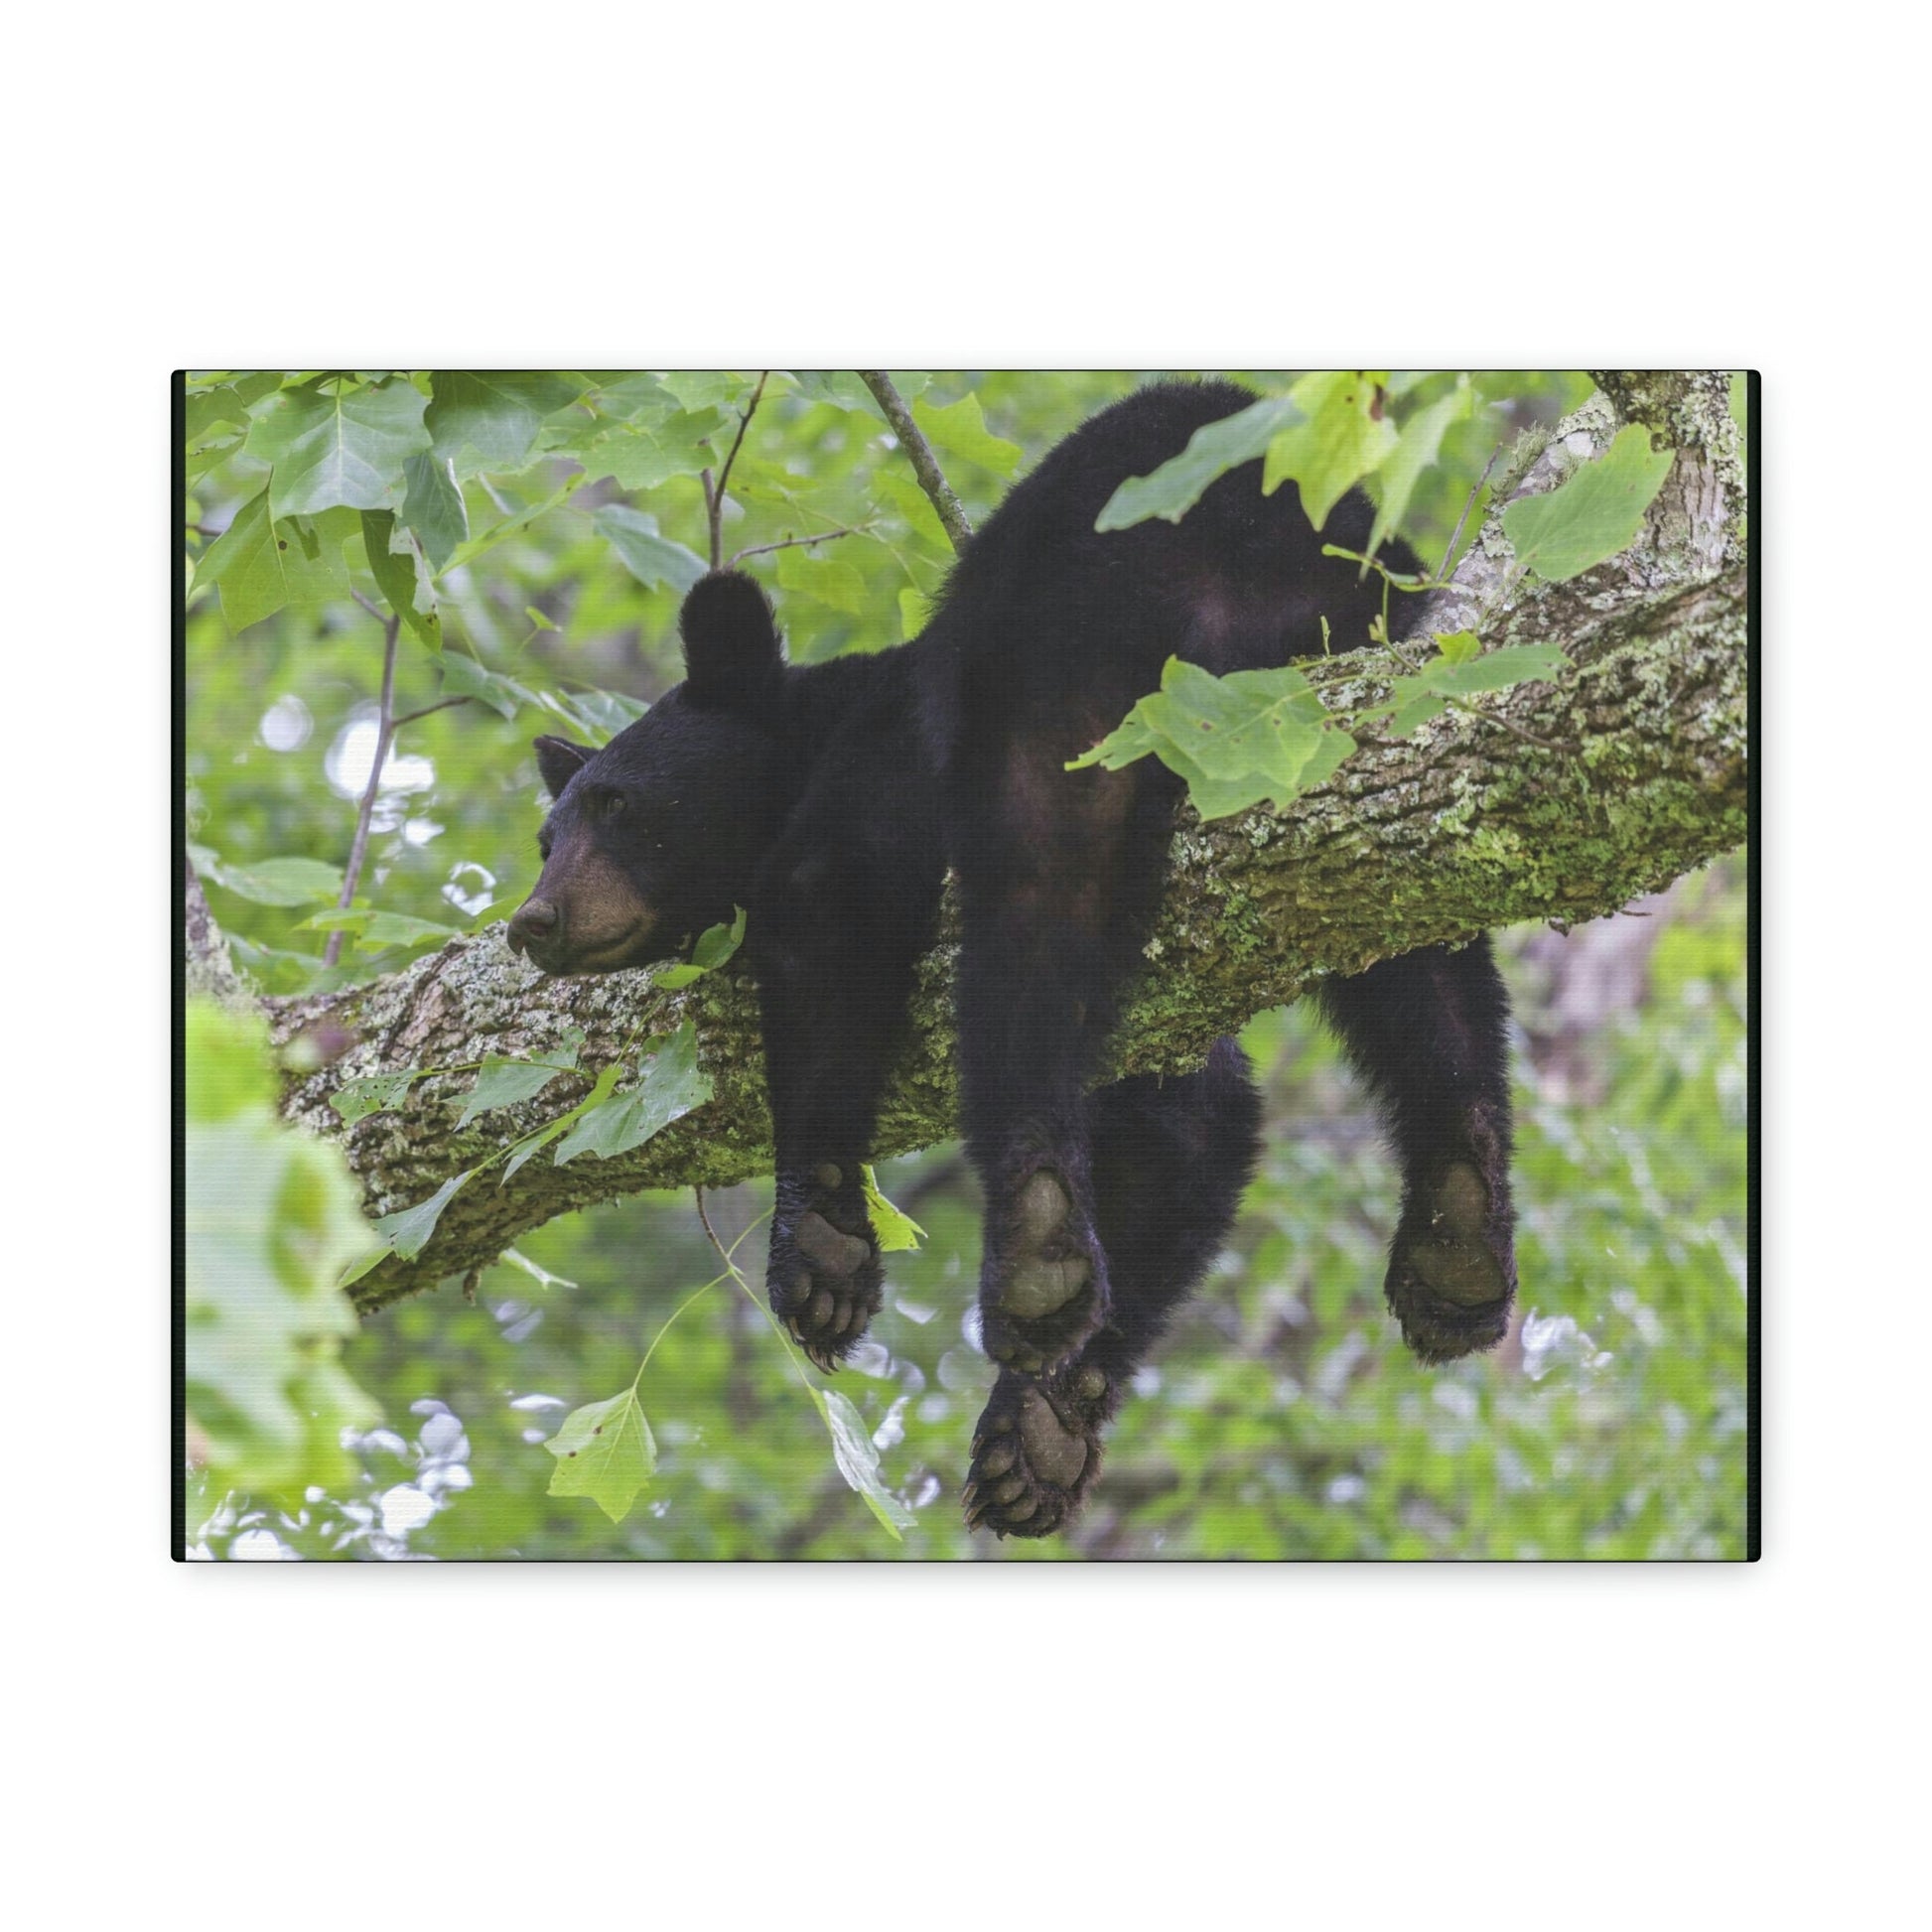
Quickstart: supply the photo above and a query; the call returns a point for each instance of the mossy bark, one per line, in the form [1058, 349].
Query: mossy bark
[1561, 802]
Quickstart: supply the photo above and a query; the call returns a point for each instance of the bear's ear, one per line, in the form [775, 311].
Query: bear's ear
[559, 760]
[730, 644]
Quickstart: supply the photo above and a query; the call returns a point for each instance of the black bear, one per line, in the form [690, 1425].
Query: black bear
[829, 800]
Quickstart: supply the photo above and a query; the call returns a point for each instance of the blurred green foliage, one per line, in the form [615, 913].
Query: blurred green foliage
[1283, 1417]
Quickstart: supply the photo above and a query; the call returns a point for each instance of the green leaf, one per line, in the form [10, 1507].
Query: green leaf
[528, 1149]
[226, 1065]
[1594, 514]
[269, 1219]
[247, 562]
[1416, 446]
[434, 508]
[486, 419]
[840, 387]
[1418, 700]
[1495, 671]
[716, 944]
[1412, 705]
[960, 430]
[604, 1451]
[519, 520]
[858, 1460]
[644, 454]
[1346, 436]
[598, 715]
[339, 447]
[671, 1084]
[653, 560]
[600, 1092]
[827, 580]
[281, 882]
[401, 930]
[464, 677]
[1173, 488]
[705, 388]
[408, 1231]
[374, 1093]
[375, 929]
[395, 577]
[632, 395]
[897, 1232]
[504, 1082]
[1236, 739]
[206, 408]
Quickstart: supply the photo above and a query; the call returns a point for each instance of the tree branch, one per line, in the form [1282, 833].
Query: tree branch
[211, 969]
[1561, 801]
[794, 543]
[385, 731]
[925, 465]
[714, 494]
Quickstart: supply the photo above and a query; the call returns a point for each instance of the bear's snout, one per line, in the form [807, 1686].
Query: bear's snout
[530, 923]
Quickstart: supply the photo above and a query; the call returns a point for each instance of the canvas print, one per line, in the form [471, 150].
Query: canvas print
[1001, 965]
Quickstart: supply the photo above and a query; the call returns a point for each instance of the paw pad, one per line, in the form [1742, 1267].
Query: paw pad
[1036, 1452]
[1453, 1271]
[1043, 1295]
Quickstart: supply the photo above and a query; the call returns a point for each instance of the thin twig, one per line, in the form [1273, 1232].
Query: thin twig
[925, 465]
[441, 704]
[386, 731]
[1455, 536]
[714, 494]
[1496, 717]
[369, 605]
[706, 1219]
[794, 543]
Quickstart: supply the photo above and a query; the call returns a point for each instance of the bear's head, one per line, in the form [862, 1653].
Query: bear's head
[656, 837]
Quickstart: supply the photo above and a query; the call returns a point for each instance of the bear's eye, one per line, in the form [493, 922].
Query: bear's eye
[614, 805]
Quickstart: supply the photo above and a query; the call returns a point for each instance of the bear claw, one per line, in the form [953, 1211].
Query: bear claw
[824, 1275]
[1036, 1452]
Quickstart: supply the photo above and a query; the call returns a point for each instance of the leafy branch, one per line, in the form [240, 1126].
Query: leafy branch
[925, 465]
[714, 494]
[386, 730]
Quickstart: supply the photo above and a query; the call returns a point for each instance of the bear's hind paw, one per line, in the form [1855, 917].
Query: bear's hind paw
[1453, 1271]
[1036, 1452]
[1043, 1295]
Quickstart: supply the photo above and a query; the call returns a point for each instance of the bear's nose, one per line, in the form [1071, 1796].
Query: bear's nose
[531, 920]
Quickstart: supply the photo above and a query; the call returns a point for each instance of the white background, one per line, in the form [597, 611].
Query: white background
[232, 186]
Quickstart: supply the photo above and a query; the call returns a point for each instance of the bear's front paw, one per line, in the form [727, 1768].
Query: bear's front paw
[1037, 1450]
[823, 1275]
[1043, 1281]
[1453, 1269]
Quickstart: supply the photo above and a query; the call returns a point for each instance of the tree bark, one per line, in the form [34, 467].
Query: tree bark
[1641, 774]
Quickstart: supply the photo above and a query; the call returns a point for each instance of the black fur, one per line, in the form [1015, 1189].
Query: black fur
[829, 800]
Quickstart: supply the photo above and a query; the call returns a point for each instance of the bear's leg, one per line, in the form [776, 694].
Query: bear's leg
[1060, 879]
[1429, 1032]
[1170, 1161]
[834, 948]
